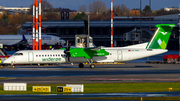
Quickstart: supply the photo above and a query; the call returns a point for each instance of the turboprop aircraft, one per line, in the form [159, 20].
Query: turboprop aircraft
[156, 45]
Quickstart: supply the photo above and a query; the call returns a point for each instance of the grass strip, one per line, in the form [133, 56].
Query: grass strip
[106, 88]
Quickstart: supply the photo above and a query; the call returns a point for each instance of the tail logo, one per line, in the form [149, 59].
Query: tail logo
[164, 33]
[159, 41]
[161, 36]
[162, 44]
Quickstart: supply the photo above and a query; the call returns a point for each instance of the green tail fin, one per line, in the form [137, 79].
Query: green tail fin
[161, 36]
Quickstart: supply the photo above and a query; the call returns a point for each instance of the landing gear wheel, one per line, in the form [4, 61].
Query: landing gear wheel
[81, 65]
[92, 66]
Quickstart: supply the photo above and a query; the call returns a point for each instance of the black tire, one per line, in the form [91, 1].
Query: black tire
[81, 65]
[92, 66]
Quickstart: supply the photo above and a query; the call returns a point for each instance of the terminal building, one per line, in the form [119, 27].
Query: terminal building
[14, 10]
[126, 31]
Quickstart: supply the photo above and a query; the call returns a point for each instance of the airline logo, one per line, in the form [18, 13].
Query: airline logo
[51, 59]
[162, 44]
[99, 53]
[159, 41]
[46, 37]
[164, 33]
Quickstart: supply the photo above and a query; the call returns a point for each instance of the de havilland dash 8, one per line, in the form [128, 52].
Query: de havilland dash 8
[157, 45]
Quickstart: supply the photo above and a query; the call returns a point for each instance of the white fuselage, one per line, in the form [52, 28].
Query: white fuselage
[37, 57]
[58, 56]
[45, 39]
[121, 55]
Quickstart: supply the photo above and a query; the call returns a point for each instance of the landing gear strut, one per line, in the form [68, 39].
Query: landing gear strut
[81, 65]
[92, 66]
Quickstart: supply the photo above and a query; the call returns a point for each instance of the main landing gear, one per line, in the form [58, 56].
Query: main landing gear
[81, 65]
[92, 66]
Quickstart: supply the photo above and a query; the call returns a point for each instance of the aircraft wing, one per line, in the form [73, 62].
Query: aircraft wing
[88, 53]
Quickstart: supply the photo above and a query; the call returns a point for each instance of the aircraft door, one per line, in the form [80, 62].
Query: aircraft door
[119, 55]
[30, 57]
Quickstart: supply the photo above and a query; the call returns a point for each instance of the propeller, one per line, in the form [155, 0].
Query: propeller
[67, 51]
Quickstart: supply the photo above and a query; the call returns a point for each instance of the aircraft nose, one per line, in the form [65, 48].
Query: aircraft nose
[7, 61]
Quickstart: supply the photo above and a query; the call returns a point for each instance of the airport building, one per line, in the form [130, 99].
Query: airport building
[14, 10]
[101, 33]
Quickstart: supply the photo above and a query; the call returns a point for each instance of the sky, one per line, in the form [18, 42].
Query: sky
[75, 4]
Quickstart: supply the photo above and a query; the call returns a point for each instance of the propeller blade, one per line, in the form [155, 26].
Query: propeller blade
[67, 51]
[67, 45]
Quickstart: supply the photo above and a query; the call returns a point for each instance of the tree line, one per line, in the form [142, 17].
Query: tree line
[9, 24]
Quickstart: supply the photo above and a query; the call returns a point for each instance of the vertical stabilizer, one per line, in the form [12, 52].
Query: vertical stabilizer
[24, 39]
[161, 36]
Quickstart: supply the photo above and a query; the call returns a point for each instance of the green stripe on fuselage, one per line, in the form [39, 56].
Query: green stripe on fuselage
[87, 53]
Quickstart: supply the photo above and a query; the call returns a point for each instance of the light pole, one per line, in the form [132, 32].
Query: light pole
[150, 15]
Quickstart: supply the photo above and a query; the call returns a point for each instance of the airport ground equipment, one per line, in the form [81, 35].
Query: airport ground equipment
[1, 45]
[167, 59]
[81, 41]
[3, 52]
[171, 58]
[3, 56]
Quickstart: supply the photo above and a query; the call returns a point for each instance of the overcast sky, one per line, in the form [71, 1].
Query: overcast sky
[75, 4]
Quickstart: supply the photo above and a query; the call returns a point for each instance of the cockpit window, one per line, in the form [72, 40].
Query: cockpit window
[18, 54]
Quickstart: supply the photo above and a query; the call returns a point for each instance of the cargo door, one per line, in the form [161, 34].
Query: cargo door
[30, 57]
[119, 55]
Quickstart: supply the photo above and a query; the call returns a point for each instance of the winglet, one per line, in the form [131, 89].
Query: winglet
[161, 36]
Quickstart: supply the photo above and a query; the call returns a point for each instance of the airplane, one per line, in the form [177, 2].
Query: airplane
[23, 44]
[18, 41]
[157, 45]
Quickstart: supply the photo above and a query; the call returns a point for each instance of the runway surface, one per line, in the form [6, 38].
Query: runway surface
[71, 97]
[65, 73]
